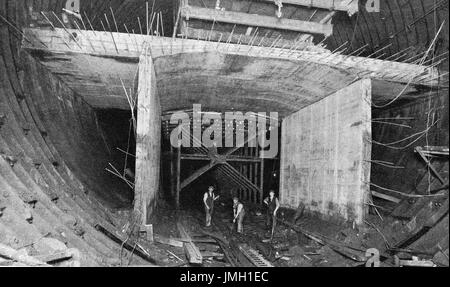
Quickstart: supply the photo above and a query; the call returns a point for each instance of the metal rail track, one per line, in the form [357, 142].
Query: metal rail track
[254, 256]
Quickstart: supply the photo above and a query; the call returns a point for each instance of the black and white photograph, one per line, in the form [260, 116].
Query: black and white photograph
[225, 139]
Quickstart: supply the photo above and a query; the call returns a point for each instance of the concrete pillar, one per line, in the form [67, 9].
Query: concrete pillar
[325, 155]
[148, 141]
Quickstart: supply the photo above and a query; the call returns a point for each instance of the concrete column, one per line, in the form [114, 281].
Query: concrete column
[148, 141]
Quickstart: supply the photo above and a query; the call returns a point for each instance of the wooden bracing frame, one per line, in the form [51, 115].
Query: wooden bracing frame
[248, 186]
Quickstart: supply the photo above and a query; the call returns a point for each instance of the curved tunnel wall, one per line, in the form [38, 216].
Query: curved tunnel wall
[53, 181]
[401, 25]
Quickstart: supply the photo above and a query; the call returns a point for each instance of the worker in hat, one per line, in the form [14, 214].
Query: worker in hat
[208, 199]
[272, 207]
[238, 212]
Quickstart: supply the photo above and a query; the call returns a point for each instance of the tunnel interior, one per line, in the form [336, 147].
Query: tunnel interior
[70, 141]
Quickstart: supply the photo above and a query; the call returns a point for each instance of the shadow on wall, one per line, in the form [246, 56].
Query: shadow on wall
[416, 115]
[73, 128]
[119, 138]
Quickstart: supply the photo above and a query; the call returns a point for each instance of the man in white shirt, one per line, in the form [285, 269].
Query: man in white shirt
[208, 199]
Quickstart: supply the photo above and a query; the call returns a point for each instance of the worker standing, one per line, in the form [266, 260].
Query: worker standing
[272, 207]
[208, 199]
[238, 212]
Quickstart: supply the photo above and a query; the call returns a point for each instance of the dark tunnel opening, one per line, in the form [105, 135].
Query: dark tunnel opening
[118, 134]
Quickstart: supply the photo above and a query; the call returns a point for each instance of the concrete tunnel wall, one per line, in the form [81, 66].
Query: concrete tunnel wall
[52, 158]
[325, 155]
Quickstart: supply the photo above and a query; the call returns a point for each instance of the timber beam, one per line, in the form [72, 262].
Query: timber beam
[230, 158]
[196, 175]
[222, 36]
[192, 252]
[385, 197]
[240, 18]
[349, 6]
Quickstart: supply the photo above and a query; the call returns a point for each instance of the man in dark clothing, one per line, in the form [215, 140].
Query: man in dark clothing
[208, 199]
[272, 207]
[238, 214]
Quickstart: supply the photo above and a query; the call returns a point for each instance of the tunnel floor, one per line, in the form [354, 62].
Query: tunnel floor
[324, 245]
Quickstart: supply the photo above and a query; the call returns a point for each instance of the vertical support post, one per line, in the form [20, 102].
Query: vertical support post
[148, 141]
[177, 20]
[261, 181]
[177, 198]
[245, 174]
[255, 180]
[183, 24]
[240, 190]
[250, 171]
[172, 171]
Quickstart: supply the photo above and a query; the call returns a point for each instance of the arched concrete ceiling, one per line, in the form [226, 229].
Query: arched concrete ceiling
[222, 82]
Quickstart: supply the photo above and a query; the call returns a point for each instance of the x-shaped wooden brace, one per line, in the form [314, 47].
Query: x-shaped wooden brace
[224, 167]
[423, 154]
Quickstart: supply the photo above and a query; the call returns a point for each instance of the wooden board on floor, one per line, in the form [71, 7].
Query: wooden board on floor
[168, 241]
[192, 252]
[385, 197]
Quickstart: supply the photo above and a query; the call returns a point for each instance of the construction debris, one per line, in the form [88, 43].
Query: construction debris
[20, 256]
[128, 244]
[168, 241]
[211, 254]
[415, 262]
[192, 253]
[339, 248]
